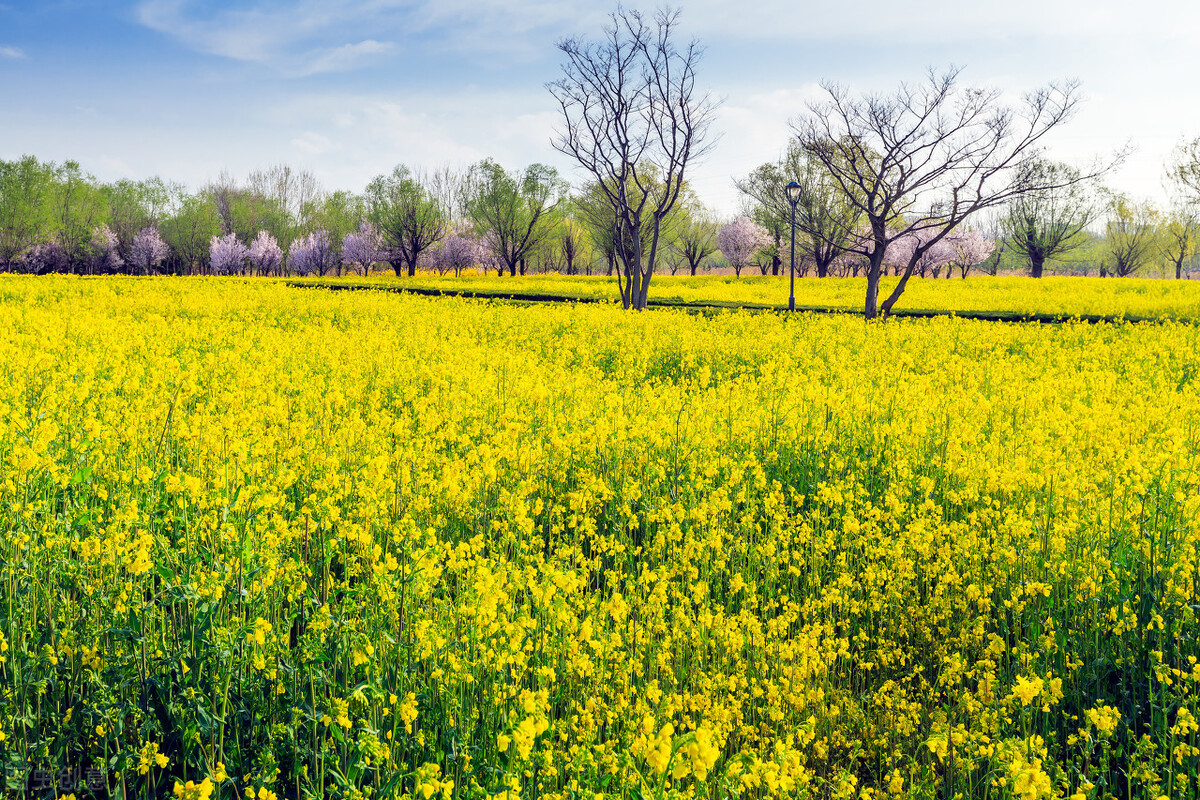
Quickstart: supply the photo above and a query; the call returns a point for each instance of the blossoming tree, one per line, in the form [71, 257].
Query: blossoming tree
[740, 240]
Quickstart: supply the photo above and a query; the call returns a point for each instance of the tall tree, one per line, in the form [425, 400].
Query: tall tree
[1040, 226]
[136, 205]
[245, 210]
[598, 215]
[927, 157]
[629, 101]
[1131, 236]
[26, 217]
[407, 217]
[189, 230]
[513, 206]
[292, 191]
[79, 208]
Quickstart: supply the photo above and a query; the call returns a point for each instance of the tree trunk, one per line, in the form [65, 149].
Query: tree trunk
[1037, 263]
[1179, 267]
[871, 307]
[412, 268]
[643, 291]
[398, 266]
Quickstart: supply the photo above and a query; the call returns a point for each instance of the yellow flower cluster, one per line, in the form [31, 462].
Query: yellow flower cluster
[359, 544]
[194, 791]
[150, 757]
[1052, 296]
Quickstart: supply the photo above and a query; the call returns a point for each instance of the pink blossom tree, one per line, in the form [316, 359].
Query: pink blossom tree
[265, 254]
[148, 250]
[462, 252]
[43, 258]
[970, 248]
[362, 248]
[226, 255]
[102, 251]
[313, 254]
[931, 256]
[740, 240]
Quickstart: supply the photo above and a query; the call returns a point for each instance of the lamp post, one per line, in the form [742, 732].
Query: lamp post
[793, 196]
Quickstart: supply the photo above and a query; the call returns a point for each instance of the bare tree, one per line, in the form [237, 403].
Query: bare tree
[292, 189]
[447, 186]
[629, 104]
[1183, 169]
[927, 157]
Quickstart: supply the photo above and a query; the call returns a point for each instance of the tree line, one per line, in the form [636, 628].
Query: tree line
[58, 218]
[277, 221]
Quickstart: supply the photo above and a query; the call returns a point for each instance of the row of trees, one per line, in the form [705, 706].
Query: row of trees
[1078, 227]
[57, 218]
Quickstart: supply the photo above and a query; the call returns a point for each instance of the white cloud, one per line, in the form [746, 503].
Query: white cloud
[346, 57]
[943, 21]
[11, 52]
[295, 41]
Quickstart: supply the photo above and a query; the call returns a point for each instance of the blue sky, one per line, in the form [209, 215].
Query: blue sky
[349, 88]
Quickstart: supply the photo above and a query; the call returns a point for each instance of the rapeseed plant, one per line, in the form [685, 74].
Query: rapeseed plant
[262, 542]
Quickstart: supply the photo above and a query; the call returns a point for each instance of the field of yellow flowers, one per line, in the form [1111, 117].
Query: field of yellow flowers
[260, 542]
[1065, 297]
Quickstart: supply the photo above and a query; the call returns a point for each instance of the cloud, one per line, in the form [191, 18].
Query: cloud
[11, 52]
[939, 21]
[346, 57]
[305, 38]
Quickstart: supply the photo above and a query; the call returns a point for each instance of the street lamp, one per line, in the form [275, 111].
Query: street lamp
[793, 196]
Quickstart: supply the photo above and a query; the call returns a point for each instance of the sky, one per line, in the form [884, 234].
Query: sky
[347, 89]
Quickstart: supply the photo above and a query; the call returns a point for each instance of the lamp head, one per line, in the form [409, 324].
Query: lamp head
[793, 192]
